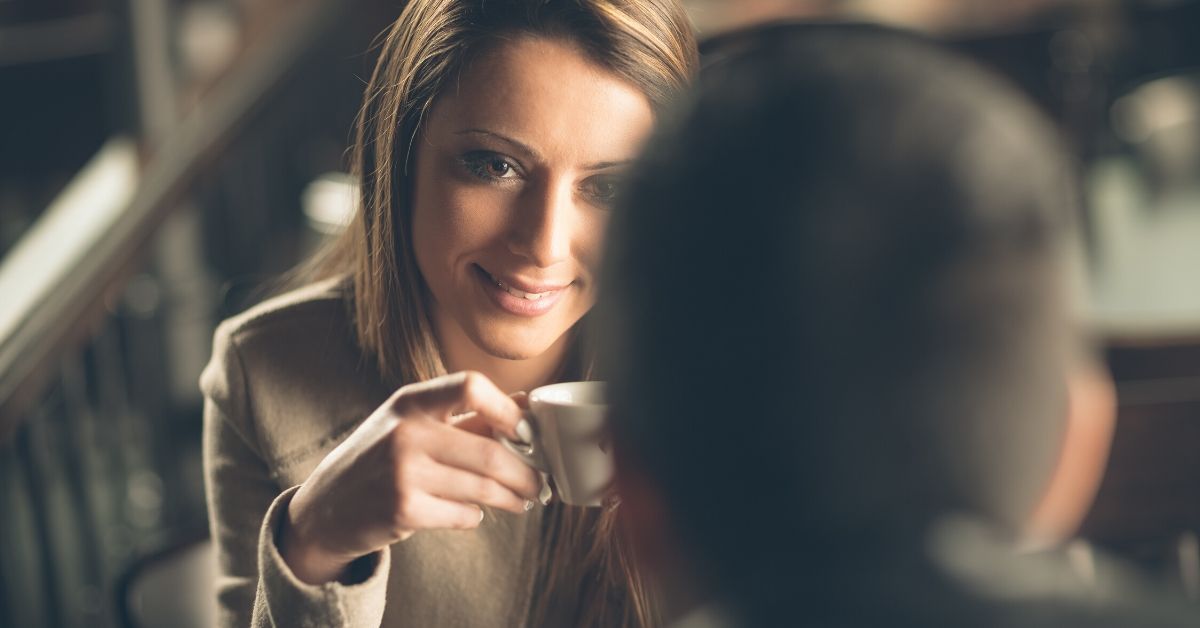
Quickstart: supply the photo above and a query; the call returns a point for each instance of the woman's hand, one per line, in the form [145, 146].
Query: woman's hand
[424, 459]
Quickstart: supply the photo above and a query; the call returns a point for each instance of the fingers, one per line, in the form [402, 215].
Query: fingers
[423, 510]
[473, 423]
[463, 486]
[416, 442]
[448, 465]
[486, 457]
[444, 397]
[476, 424]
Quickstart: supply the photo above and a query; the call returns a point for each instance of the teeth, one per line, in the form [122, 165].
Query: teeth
[528, 296]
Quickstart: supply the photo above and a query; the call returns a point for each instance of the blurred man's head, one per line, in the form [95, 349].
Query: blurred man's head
[837, 309]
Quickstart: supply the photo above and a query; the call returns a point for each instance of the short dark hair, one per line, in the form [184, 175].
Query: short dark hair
[833, 302]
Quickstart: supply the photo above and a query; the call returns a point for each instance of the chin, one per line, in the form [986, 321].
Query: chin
[515, 344]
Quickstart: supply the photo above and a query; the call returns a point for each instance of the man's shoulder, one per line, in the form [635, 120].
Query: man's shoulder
[1163, 612]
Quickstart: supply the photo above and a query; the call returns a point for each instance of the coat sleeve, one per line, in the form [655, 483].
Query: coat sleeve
[245, 507]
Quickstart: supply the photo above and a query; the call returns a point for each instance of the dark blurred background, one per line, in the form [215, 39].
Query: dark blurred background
[161, 161]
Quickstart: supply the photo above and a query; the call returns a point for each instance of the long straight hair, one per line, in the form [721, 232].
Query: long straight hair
[650, 44]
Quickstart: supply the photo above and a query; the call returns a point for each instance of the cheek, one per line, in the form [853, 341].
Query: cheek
[474, 216]
[589, 241]
[451, 220]
[427, 234]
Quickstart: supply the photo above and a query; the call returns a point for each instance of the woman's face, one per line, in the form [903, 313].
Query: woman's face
[515, 169]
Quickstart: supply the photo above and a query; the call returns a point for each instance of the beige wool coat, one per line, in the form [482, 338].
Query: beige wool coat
[285, 385]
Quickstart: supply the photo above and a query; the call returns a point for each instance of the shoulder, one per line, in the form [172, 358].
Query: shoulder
[278, 336]
[321, 301]
[288, 373]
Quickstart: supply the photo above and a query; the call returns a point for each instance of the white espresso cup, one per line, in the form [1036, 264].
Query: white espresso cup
[569, 440]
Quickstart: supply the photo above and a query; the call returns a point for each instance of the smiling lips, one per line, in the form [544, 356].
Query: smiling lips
[531, 296]
[521, 298]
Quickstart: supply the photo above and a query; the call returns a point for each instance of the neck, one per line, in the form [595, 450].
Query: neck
[460, 353]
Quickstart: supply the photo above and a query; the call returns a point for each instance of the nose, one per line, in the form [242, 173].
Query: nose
[542, 229]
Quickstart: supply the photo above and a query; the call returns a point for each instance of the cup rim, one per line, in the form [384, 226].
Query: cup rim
[534, 394]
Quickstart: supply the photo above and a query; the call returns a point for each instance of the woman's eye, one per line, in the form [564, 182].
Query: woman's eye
[602, 189]
[489, 166]
[497, 167]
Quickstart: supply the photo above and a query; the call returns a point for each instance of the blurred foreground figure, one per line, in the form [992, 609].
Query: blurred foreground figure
[848, 389]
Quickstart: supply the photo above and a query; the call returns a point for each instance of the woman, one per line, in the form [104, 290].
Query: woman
[488, 149]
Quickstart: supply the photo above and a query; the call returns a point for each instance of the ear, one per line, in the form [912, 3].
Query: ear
[649, 524]
[645, 517]
[1091, 414]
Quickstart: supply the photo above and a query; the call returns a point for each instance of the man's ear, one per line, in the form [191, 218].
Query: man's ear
[1091, 414]
[645, 516]
[648, 523]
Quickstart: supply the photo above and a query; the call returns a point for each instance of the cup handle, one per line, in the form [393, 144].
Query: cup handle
[529, 453]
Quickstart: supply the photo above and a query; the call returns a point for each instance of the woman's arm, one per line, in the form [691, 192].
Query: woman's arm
[246, 506]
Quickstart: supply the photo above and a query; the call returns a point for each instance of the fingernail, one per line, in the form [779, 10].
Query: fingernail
[525, 431]
[528, 505]
[480, 515]
[546, 494]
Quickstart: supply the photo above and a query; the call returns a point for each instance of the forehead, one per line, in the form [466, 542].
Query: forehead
[547, 93]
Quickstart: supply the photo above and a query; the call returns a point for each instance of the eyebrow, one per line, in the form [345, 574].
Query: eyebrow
[533, 153]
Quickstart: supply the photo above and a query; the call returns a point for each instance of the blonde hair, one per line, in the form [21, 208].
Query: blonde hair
[649, 43]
